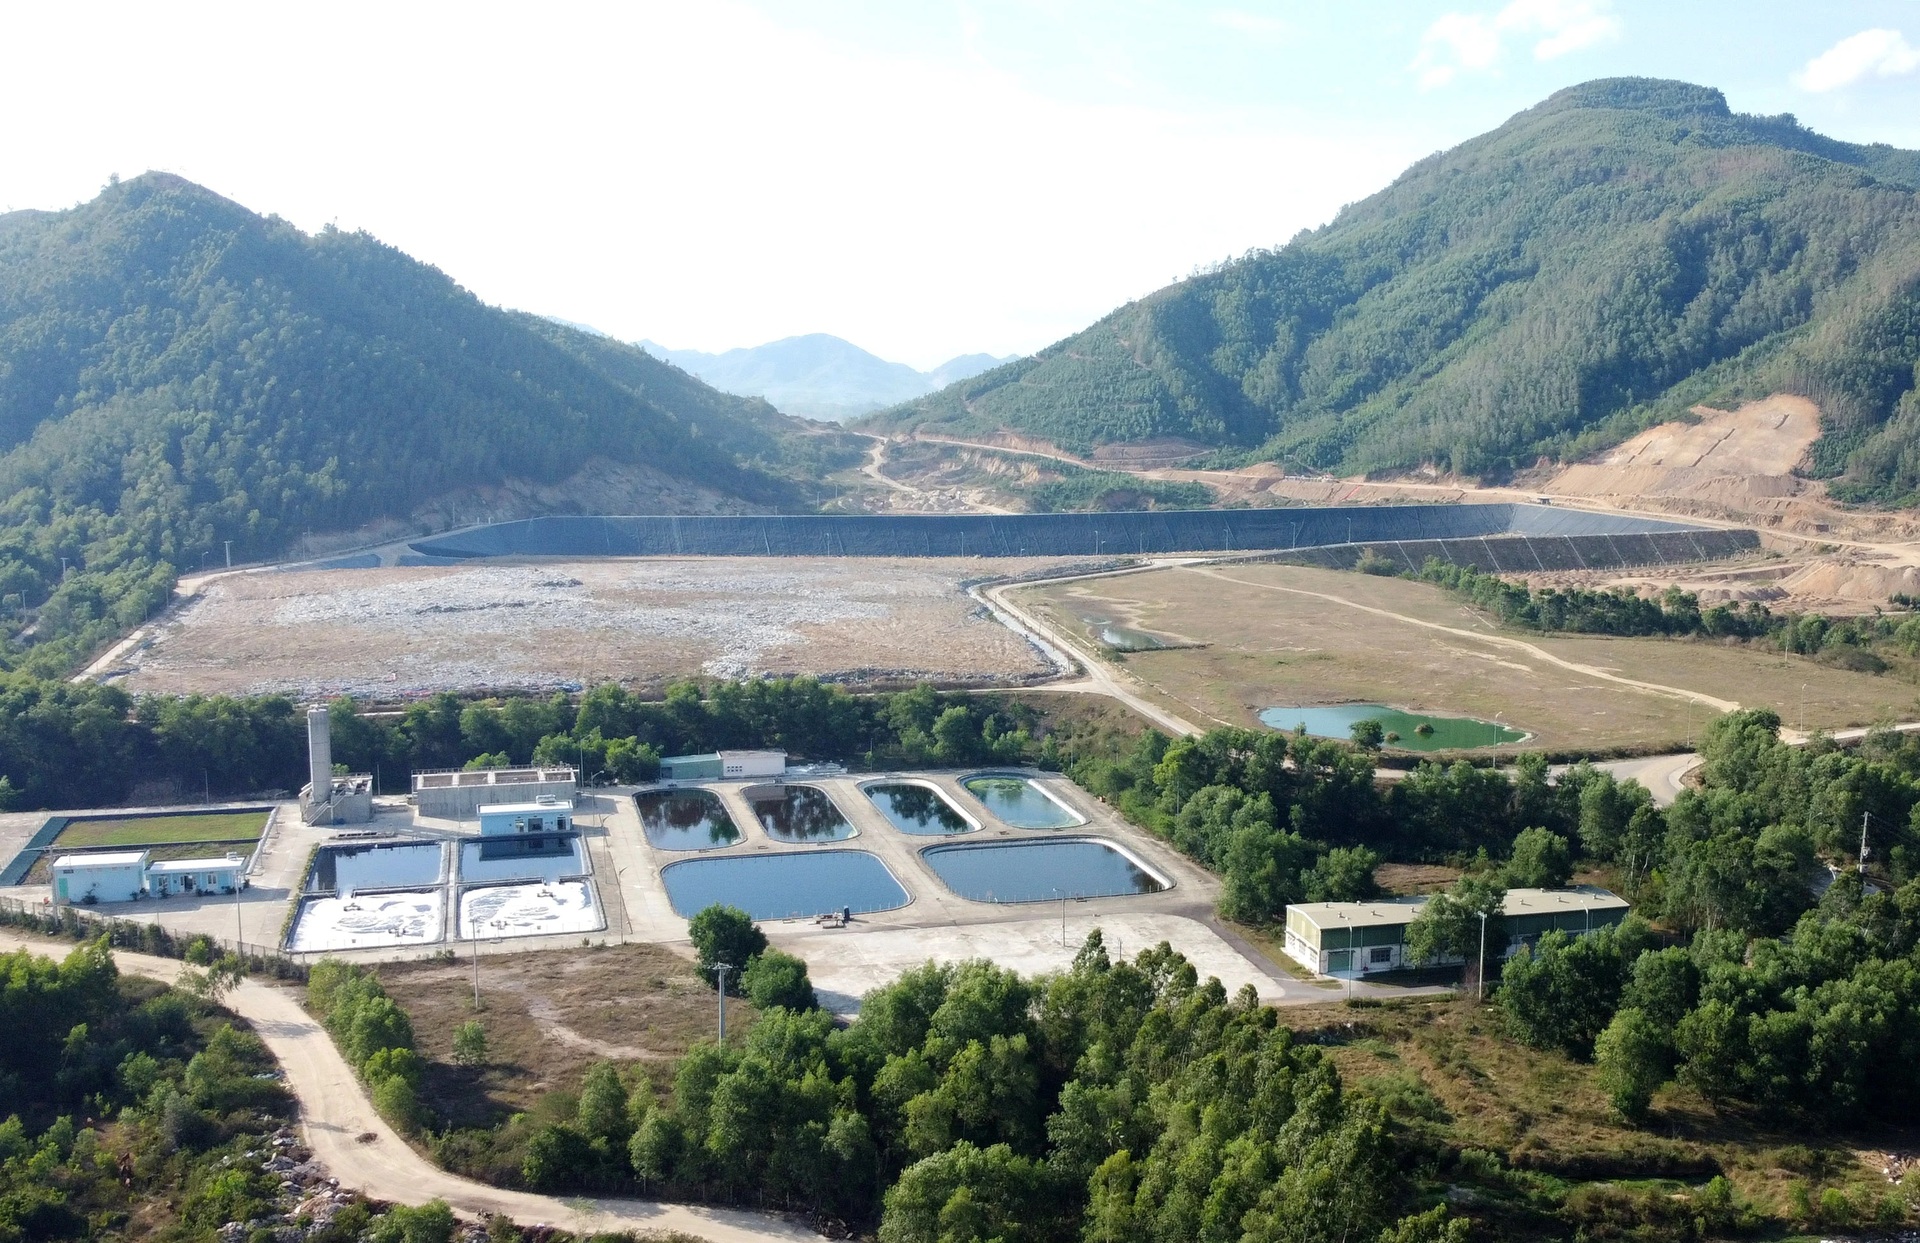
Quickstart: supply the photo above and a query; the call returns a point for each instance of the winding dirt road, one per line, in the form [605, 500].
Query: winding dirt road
[357, 1146]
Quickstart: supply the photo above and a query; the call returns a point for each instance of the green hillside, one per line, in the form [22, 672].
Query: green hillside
[1608, 258]
[176, 371]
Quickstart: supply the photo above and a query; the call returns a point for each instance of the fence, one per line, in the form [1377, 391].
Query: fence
[78, 925]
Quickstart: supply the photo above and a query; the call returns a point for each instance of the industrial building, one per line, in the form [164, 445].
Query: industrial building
[1352, 939]
[127, 875]
[328, 798]
[723, 765]
[458, 794]
[547, 815]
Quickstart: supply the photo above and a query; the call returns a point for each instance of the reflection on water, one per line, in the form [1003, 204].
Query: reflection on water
[1110, 630]
[686, 820]
[383, 865]
[522, 856]
[801, 814]
[1019, 802]
[777, 886]
[1037, 871]
[920, 810]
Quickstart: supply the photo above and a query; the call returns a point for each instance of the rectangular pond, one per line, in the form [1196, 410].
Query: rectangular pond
[1039, 871]
[797, 813]
[376, 865]
[686, 820]
[522, 856]
[917, 808]
[780, 885]
[535, 909]
[367, 921]
[1021, 801]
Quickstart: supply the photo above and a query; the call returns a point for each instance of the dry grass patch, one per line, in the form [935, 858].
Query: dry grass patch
[548, 1016]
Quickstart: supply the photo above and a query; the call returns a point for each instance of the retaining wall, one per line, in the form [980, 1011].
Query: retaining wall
[1014, 535]
[1532, 554]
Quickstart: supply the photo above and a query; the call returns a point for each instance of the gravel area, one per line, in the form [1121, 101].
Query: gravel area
[392, 632]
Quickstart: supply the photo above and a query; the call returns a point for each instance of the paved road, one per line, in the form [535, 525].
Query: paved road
[363, 1152]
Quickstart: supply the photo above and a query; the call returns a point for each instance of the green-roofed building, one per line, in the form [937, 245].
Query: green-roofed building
[1352, 939]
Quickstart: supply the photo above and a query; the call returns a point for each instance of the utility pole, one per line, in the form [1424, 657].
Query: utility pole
[1063, 918]
[1480, 980]
[229, 544]
[239, 930]
[722, 968]
[1863, 843]
[476, 968]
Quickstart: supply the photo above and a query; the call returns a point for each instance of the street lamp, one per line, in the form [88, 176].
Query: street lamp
[1480, 980]
[722, 968]
[1063, 917]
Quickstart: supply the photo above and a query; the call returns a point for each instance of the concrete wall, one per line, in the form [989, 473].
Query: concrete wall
[1013, 535]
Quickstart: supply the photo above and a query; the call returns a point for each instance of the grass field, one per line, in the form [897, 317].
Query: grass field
[209, 826]
[1531, 1138]
[41, 873]
[1270, 635]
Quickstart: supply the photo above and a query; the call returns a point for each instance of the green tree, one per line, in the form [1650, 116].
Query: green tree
[1457, 923]
[1343, 874]
[602, 1112]
[774, 979]
[1369, 735]
[470, 1043]
[725, 934]
[1634, 1055]
[432, 1222]
[1540, 860]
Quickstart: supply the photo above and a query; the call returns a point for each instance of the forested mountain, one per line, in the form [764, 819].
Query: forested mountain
[176, 371]
[819, 376]
[1607, 258]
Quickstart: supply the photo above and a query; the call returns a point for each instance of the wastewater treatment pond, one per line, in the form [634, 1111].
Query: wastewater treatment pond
[1442, 733]
[1035, 871]
[795, 813]
[918, 809]
[781, 885]
[686, 820]
[1021, 802]
[377, 865]
[522, 856]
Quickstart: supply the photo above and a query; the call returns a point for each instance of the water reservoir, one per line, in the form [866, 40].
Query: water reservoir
[377, 865]
[1021, 802]
[917, 808]
[522, 856]
[1039, 871]
[781, 885]
[796, 813]
[1441, 733]
[686, 820]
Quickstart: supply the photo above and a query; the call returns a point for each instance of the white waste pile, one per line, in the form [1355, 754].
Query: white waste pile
[535, 909]
[367, 921]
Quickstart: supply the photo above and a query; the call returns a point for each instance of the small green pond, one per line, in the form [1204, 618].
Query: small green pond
[1443, 733]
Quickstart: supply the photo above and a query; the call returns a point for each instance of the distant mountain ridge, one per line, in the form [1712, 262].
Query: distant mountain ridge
[1601, 262]
[819, 376]
[177, 372]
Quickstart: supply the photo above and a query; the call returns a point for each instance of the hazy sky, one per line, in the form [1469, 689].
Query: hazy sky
[922, 177]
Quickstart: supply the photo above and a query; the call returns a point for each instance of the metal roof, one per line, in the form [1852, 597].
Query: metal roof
[172, 867]
[111, 859]
[522, 809]
[1385, 912]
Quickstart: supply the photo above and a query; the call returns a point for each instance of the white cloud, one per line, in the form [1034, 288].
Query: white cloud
[1877, 51]
[1474, 42]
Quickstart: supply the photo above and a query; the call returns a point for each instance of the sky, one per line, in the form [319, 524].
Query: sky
[925, 179]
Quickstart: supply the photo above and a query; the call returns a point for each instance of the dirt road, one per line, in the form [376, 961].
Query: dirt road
[363, 1152]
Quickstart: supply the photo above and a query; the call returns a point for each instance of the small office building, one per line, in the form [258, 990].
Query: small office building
[545, 815]
[723, 765]
[105, 876]
[179, 876]
[1352, 939]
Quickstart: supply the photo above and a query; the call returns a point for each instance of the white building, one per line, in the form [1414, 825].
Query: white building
[547, 815]
[458, 794]
[1353, 939]
[171, 876]
[107, 876]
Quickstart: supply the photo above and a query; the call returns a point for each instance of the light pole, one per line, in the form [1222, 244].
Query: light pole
[722, 968]
[239, 930]
[1063, 917]
[1863, 843]
[1480, 980]
[229, 544]
[476, 967]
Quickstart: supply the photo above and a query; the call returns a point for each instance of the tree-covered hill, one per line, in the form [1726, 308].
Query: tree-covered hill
[1623, 250]
[176, 371]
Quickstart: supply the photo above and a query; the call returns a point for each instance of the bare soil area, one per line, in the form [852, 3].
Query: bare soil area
[392, 632]
[1269, 635]
[549, 1015]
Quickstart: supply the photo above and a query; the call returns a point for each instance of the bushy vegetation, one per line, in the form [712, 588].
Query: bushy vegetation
[374, 1034]
[1607, 259]
[129, 1107]
[1123, 1100]
[176, 372]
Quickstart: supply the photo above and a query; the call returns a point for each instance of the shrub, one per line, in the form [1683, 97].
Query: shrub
[777, 979]
[725, 934]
